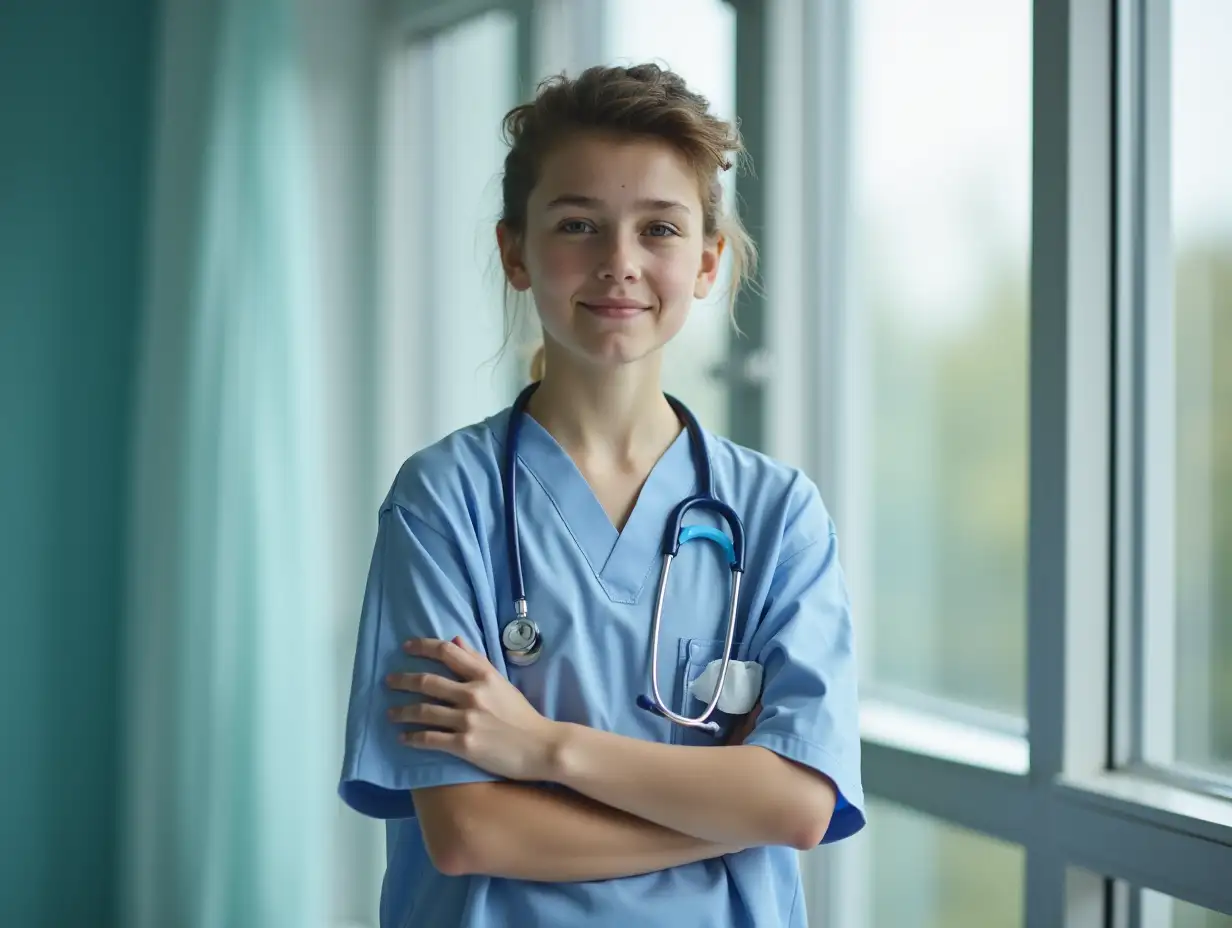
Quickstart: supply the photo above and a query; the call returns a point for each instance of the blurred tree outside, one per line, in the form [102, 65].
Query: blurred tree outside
[931, 874]
[950, 465]
[1203, 306]
[951, 487]
[967, 483]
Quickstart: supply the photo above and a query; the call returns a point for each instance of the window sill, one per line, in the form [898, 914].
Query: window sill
[906, 729]
[1133, 795]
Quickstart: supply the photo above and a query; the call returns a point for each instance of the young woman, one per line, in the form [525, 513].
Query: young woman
[538, 761]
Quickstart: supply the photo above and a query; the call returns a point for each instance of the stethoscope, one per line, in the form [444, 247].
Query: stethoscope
[521, 639]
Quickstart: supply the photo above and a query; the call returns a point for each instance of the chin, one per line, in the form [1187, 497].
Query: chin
[614, 356]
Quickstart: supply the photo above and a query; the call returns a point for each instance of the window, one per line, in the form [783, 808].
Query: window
[1157, 910]
[925, 873]
[941, 174]
[467, 155]
[443, 301]
[983, 198]
[1175, 454]
[1201, 195]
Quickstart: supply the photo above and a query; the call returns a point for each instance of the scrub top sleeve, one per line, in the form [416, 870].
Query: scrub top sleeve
[417, 588]
[809, 710]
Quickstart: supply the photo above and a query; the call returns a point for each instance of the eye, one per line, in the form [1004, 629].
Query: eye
[660, 230]
[575, 226]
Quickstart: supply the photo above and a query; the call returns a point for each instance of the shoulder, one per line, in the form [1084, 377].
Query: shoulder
[758, 484]
[451, 477]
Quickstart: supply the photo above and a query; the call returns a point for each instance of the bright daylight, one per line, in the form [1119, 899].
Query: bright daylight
[659, 463]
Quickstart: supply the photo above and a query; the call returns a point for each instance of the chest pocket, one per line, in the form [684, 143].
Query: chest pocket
[694, 656]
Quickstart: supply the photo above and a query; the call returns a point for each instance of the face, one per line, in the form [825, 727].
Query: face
[614, 251]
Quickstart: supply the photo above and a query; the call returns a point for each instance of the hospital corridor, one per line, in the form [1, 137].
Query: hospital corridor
[649, 463]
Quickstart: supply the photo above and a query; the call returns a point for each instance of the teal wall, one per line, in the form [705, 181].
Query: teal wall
[76, 96]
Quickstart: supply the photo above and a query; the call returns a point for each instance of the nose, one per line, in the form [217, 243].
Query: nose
[619, 259]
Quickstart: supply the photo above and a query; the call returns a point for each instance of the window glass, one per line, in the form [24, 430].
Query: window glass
[1160, 911]
[473, 74]
[928, 874]
[1202, 255]
[941, 209]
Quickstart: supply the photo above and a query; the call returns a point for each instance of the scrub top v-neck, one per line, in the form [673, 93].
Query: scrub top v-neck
[439, 570]
[620, 560]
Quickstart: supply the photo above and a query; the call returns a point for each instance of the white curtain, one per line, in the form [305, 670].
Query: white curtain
[251, 492]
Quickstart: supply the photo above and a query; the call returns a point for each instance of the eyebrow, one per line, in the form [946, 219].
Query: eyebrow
[575, 199]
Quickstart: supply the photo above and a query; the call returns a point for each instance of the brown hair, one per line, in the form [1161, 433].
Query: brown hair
[645, 101]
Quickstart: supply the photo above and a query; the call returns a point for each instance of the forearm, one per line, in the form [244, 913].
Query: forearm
[525, 832]
[743, 794]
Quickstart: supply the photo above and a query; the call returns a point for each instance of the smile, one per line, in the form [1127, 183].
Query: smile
[615, 310]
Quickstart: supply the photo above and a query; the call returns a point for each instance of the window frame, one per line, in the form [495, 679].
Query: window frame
[1084, 812]
[1146, 399]
[406, 337]
[1148, 692]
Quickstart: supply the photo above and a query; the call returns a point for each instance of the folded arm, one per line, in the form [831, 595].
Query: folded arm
[525, 832]
[737, 795]
[748, 793]
[742, 795]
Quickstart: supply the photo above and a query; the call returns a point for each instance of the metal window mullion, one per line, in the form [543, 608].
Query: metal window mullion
[527, 42]
[789, 237]
[746, 367]
[1154, 425]
[1125, 747]
[840, 347]
[826, 184]
[836, 354]
[1147, 685]
[831, 358]
[1070, 428]
[1047, 385]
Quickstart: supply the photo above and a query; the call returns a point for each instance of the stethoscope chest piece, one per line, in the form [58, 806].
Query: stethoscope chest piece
[521, 641]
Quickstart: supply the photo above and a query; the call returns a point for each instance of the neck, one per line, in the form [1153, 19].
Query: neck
[618, 414]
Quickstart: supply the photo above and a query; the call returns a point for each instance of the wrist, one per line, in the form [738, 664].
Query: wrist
[555, 749]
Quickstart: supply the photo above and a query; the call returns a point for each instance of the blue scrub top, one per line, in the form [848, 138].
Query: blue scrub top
[439, 570]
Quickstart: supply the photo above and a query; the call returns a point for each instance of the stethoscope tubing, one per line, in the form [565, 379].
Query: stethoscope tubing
[674, 535]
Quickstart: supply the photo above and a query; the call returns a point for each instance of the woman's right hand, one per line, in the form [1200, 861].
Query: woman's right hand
[744, 727]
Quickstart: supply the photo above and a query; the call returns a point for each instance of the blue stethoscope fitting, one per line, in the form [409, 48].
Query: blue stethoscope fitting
[521, 638]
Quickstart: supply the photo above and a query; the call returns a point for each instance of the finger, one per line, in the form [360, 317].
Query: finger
[427, 713]
[429, 684]
[466, 664]
[446, 741]
[738, 733]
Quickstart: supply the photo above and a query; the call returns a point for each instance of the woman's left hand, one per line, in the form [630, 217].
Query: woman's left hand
[481, 717]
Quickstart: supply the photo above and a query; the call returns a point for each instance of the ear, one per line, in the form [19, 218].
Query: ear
[712, 253]
[512, 258]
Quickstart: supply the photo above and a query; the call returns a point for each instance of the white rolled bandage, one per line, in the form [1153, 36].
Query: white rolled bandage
[741, 686]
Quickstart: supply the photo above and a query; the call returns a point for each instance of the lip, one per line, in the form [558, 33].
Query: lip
[614, 306]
